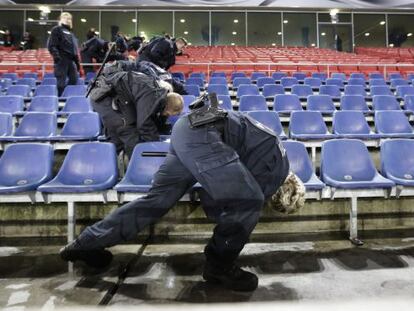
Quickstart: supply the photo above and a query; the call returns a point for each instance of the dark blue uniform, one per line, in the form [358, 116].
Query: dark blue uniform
[239, 166]
[63, 46]
[160, 51]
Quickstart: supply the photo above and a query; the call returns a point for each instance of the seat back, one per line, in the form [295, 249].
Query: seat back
[398, 82]
[376, 75]
[350, 122]
[301, 90]
[217, 80]
[5, 83]
[11, 103]
[44, 104]
[320, 103]
[241, 80]
[10, 75]
[256, 75]
[90, 76]
[385, 102]
[377, 82]
[313, 82]
[219, 89]
[218, 74]
[195, 81]
[397, 159]
[46, 90]
[77, 104]
[299, 160]
[236, 74]
[356, 81]
[20, 90]
[192, 89]
[37, 124]
[6, 125]
[82, 124]
[394, 75]
[26, 81]
[200, 75]
[299, 75]
[392, 122]
[270, 90]
[355, 90]
[268, 118]
[261, 82]
[74, 90]
[307, 122]
[331, 90]
[225, 102]
[252, 102]
[247, 89]
[357, 75]
[287, 102]
[354, 102]
[403, 90]
[288, 81]
[338, 75]
[49, 81]
[335, 81]
[381, 90]
[409, 102]
[278, 75]
[320, 75]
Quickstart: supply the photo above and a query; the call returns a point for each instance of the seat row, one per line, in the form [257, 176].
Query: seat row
[14, 77]
[45, 90]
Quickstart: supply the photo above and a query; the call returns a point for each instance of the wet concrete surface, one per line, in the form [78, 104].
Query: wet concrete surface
[171, 274]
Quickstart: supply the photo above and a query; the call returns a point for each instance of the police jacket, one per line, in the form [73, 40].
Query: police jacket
[93, 48]
[160, 51]
[63, 44]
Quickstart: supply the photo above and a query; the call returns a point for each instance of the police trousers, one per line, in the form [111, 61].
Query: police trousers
[231, 196]
[65, 68]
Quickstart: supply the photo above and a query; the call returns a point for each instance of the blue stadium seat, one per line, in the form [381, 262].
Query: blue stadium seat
[303, 91]
[6, 124]
[178, 76]
[355, 90]
[404, 90]
[286, 103]
[36, 126]
[313, 82]
[410, 76]
[252, 103]
[219, 89]
[392, 124]
[192, 89]
[27, 81]
[397, 161]
[32, 75]
[145, 162]
[218, 80]
[261, 82]
[346, 164]
[90, 76]
[308, 125]
[320, 75]
[409, 103]
[356, 81]
[338, 75]
[49, 81]
[200, 75]
[332, 90]
[188, 99]
[278, 75]
[239, 81]
[271, 90]
[48, 75]
[398, 82]
[376, 75]
[80, 126]
[5, 83]
[218, 74]
[357, 75]
[288, 82]
[377, 82]
[88, 167]
[225, 102]
[10, 75]
[13, 104]
[24, 167]
[335, 81]
[321, 103]
[195, 81]
[237, 75]
[44, 104]
[299, 75]
[20, 90]
[76, 104]
[301, 165]
[46, 90]
[257, 75]
[352, 124]
[394, 75]
[74, 90]
[381, 90]
[247, 89]
[354, 102]
[385, 102]
[80, 81]
[269, 119]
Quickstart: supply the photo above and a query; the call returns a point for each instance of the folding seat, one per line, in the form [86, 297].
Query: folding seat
[398, 82]
[257, 75]
[331, 90]
[195, 81]
[335, 81]
[49, 81]
[80, 81]
[247, 89]
[397, 162]
[321, 103]
[46, 90]
[354, 102]
[357, 75]
[24, 167]
[237, 75]
[356, 81]
[320, 75]
[144, 163]
[76, 104]
[404, 90]
[269, 119]
[44, 104]
[188, 100]
[20, 90]
[36, 126]
[31, 75]
[377, 82]
[308, 125]
[49, 75]
[90, 76]
[303, 91]
[74, 90]
[301, 165]
[13, 104]
[385, 102]
[286, 103]
[200, 75]
[192, 89]
[392, 123]
[314, 83]
[279, 75]
[299, 75]
[355, 90]
[218, 80]
[270, 90]
[394, 75]
[288, 82]
[6, 124]
[88, 167]
[352, 124]
[219, 89]
[410, 76]
[240, 81]
[5, 83]
[218, 74]
[27, 81]
[409, 103]
[80, 126]
[10, 75]
[376, 75]
[252, 103]
[225, 102]
[261, 82]
[381, 90]
[338, 75]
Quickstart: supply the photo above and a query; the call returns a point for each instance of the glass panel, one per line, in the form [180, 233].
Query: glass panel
[83, 21]
[152, 24]
[264, 28]
[35, 15]
[401, 30]
[228, 28]
[117, 21]
[342, 18]
[335, 37]
[39, 26]
[299, 29]
[369, 30]
[193, 26]
[12, 21]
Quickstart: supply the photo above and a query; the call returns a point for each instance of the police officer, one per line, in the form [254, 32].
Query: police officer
[135, 43]
[239, 164]
[93, 48]
[162, 51]
[63, 46]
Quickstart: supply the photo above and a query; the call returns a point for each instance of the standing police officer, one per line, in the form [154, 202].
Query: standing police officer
[239, 164]
[63, 46]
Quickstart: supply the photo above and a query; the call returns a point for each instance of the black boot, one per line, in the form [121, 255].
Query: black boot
[233, 278]
[97, 258]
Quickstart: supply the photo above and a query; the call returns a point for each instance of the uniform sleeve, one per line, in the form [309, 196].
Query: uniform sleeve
[147, 128]
[178, 87]
[160, 54]
[53, 44]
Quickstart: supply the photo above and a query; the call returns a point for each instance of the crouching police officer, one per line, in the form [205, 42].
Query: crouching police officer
[238, 162]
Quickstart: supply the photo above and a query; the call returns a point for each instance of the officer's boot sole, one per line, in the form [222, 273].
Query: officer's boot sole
[93, 258]
[230, 284]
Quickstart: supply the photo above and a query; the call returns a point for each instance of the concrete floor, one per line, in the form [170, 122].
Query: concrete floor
[169, 274]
